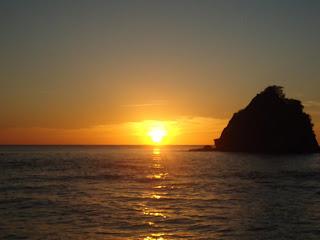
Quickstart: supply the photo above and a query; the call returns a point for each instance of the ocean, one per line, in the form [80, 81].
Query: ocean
[135, 192]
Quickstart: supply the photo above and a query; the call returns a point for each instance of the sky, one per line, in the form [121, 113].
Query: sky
[103, 72]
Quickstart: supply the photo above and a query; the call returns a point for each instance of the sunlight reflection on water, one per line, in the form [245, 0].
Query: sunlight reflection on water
[160, 174]
[162, 193]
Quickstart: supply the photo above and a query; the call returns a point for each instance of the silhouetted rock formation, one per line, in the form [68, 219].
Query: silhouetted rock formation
[271, 123]
[205, 148]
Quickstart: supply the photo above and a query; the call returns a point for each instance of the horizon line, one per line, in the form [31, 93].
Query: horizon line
[149, 145]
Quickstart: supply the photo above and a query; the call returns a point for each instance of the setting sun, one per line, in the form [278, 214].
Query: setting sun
[157, 134]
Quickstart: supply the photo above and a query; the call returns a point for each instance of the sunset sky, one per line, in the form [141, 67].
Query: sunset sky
[105, 72]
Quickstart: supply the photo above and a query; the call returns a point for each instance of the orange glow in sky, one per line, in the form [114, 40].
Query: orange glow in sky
[185, 130]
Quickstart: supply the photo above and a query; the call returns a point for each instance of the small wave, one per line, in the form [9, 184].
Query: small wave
[304, 175]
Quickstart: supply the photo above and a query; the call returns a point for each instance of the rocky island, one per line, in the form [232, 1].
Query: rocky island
[271, 123]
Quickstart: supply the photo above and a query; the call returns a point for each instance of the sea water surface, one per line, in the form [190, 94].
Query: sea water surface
[112, 192]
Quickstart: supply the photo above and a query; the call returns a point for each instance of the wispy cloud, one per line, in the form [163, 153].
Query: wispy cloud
[312, 107]
[150, 104]
[311, 103]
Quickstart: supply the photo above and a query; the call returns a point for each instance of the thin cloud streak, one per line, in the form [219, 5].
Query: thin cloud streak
[311, 103]
[313, 107]
[155, 103]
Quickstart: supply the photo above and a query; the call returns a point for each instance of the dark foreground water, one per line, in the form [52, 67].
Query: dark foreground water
[145, 193]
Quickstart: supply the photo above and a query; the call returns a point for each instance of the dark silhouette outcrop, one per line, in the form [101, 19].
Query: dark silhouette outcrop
[206, 148]
[271, 123]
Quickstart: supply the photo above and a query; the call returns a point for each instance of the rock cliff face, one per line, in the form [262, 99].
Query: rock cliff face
[271, 123]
